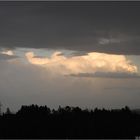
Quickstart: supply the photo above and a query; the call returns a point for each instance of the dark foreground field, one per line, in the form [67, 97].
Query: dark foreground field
[69, 122]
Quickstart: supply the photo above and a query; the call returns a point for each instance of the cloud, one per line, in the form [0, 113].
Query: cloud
[107, 75]
[104, 41]
[9, 52]
[7, 55]
[79, 26]
[97, 64]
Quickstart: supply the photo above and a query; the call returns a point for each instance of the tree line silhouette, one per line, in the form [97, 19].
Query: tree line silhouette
[69, 122]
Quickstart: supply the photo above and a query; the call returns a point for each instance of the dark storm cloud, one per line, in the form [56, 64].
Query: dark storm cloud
[111, 27]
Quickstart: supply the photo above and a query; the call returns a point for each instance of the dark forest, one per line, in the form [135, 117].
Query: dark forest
[69, 122]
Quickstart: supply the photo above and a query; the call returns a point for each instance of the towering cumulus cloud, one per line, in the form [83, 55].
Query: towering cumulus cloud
[91, 63]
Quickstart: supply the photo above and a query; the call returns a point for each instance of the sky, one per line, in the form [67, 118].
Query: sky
[74, 53]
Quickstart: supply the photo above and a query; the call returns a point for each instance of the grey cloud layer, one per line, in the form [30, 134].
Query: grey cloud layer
[111, 27]
[107, 75]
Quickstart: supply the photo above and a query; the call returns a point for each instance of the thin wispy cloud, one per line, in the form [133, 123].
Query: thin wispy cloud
[116, 75]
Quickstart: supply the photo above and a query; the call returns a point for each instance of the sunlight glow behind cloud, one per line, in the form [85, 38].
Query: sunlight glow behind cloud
[91, 63]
